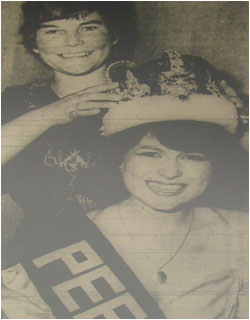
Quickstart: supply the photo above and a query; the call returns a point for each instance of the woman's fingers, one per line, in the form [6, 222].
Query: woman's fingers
[90, 108]
[231, 95]
[94, 105]
[88, 97]
[98, 97]
[93, 89]
[100, 88]
[83, 113]
[85, 103]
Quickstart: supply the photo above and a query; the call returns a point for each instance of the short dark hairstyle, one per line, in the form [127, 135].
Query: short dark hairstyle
[228, 187]
[119, 17]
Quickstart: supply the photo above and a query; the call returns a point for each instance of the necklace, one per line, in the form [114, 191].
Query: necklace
[161, 274]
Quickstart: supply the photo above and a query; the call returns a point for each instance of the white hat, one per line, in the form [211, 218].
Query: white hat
[199, 107]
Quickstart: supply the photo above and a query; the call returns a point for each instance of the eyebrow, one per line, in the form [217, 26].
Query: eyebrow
[92, 22]
[149, 147]
[99, 22]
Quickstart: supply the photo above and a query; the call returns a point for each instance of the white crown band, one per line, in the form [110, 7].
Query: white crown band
[205, 108]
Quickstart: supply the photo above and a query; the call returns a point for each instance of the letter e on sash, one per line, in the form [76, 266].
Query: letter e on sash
[85, 282]
[107, 309]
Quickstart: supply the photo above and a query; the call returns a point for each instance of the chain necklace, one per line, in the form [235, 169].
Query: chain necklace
[161, 274]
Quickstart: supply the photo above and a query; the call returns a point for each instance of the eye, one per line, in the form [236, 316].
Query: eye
[150, 154]
[194, 156]
[53, 32]
[88, 28]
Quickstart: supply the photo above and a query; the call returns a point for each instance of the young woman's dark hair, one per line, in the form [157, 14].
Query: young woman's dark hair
[228, 187]
[119, 17]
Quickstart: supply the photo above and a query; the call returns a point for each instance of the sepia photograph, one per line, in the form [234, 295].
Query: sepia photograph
[125, 160]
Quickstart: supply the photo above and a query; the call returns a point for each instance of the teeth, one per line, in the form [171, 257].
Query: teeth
[75, 55]
[165, 188]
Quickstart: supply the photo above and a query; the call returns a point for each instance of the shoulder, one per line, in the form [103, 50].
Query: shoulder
[24, 88]
[222, 218]
[223, 231]
[109, 221]
[20, 99]
[234, 217]
[227, 230]
[10, 94]
[107, 213]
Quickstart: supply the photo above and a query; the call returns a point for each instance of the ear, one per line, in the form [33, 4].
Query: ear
[36, 51]
[115, 41]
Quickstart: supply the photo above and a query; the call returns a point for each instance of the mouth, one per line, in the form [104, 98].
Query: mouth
[165, 189]
[75, 55]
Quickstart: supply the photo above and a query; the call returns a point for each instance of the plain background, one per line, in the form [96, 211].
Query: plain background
[214, 30]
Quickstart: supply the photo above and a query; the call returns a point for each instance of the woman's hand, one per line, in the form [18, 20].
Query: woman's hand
[234, 98]
[87, 102]
[231, 95]
[19, 133]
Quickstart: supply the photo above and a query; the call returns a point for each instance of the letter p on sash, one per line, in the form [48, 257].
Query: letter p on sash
[91, 259]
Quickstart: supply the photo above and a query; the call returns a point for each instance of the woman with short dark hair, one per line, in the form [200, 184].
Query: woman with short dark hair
[42, 120]
[119, 17]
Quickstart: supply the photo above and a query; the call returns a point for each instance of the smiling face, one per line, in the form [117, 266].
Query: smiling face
[162, 178]
[74, 46]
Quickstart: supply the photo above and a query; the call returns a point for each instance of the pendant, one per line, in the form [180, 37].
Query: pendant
[162, 277]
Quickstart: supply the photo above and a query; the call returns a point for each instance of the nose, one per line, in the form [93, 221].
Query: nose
[170, 169]
[73, 39]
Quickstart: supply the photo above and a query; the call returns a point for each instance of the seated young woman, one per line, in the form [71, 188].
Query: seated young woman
[168, 240]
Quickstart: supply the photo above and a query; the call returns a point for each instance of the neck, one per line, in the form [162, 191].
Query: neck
[178, 217]
[65, 84]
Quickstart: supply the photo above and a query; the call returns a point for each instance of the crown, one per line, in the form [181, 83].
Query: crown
[175, 88]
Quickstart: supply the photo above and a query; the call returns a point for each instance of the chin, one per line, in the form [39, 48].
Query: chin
[163, 207]
[168, 207]
[79, 71]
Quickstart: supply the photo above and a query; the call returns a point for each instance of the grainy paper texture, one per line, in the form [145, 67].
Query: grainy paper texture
[135, 224]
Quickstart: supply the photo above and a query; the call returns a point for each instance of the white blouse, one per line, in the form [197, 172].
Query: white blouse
[206, 279]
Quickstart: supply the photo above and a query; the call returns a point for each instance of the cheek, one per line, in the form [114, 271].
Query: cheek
[130, 169]
[46, 45]
[201, 175]
[98, 40]
[131, 175]
[137, 168]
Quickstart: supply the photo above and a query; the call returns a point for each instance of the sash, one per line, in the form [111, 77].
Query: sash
[79, 274]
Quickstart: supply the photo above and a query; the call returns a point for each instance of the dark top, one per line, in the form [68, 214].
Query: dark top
[40, 179]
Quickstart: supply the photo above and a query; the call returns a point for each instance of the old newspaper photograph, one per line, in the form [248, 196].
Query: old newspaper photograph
[125, 159]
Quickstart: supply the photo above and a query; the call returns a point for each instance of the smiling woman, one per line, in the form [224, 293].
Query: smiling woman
[42, 120]
[183, 162]
[119, 19]
[76, 46]
[179, 179]
[162, 178]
